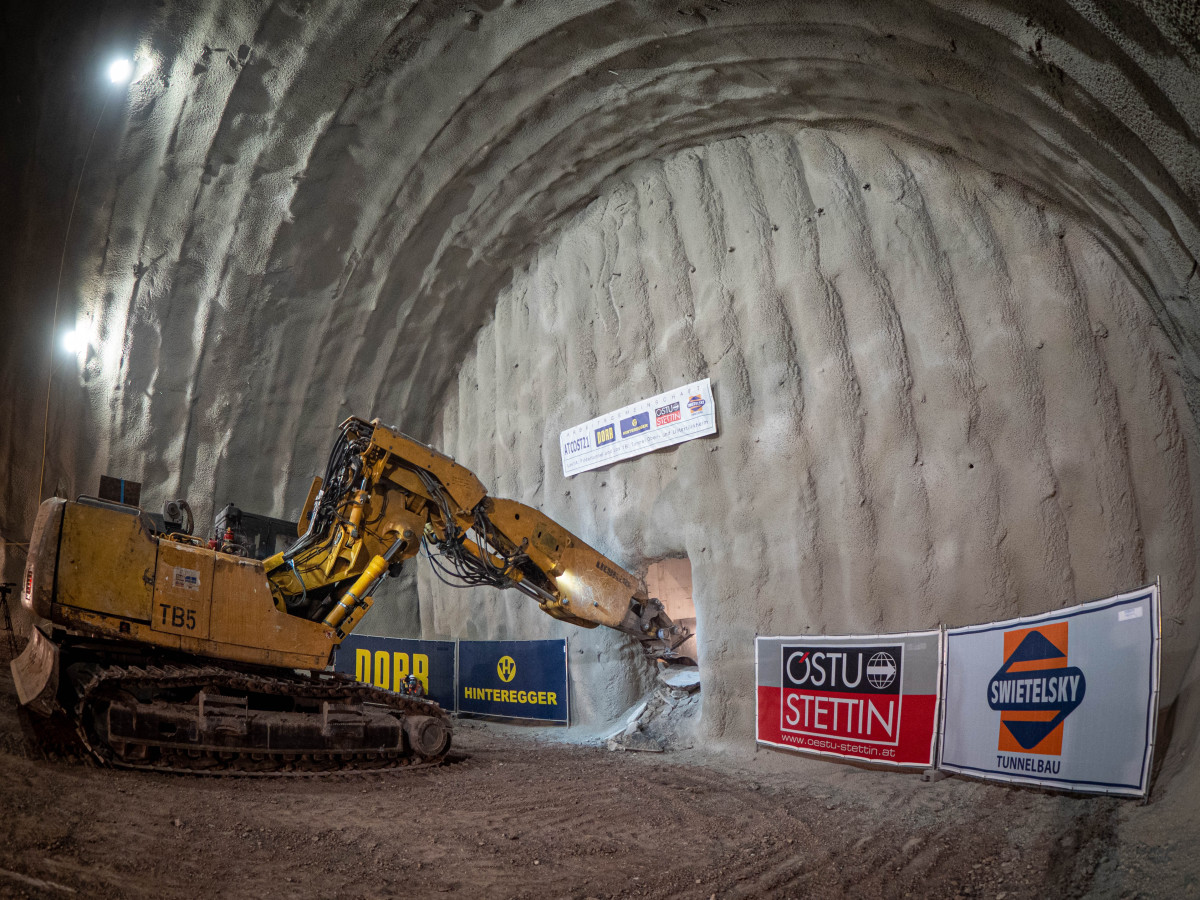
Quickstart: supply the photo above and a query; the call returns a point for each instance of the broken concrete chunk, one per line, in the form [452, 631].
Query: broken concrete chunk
[641, 743]
[681, 678]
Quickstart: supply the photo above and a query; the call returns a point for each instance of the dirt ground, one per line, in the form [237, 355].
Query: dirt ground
[515, 815]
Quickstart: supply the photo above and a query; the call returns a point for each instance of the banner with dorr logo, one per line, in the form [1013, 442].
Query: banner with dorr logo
[872, 698]
[1066, 699]
[387, 662]
[514, 679]
[676, 416]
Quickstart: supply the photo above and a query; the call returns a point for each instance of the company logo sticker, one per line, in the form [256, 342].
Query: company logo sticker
[665, 415]
[605, 434]
[695, 403]
[1035, 690]
[187, 579]
[506, 668]
[635, 424]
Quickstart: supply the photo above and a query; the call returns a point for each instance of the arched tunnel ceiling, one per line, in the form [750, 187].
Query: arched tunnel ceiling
[302, 211]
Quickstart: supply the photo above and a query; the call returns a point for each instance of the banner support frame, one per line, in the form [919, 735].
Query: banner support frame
[1155, 688]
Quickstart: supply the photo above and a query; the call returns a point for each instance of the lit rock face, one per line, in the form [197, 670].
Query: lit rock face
[939, 403]
[305, 211]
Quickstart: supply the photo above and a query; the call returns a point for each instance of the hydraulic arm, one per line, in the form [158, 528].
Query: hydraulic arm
[384, 494]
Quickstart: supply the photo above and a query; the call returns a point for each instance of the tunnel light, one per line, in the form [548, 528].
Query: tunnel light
[120, 71]
[569, 585]
[75, 341]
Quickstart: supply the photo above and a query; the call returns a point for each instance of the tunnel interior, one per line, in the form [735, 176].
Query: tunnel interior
[670, 581]
[938, 260]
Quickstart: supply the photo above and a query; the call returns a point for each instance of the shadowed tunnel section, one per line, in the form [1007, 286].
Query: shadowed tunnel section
[486, 223]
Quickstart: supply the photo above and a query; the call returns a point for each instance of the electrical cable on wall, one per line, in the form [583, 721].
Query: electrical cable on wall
[119, 72]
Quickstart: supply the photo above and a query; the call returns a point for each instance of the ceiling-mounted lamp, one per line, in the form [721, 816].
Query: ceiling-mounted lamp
[76, 341]
[120, 71]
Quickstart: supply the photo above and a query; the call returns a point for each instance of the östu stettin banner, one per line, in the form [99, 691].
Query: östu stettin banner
[871, 698]
[1067, 699]
[674, 417]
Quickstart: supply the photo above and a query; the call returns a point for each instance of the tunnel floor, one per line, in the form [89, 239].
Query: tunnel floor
[511, 815]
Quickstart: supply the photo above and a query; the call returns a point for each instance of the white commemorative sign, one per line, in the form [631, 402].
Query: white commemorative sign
[671, 418]
[1066, 699]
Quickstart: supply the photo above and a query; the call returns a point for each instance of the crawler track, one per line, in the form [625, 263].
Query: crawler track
[216, 721]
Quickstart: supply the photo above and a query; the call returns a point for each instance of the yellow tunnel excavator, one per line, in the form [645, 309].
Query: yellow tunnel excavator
[159, 650]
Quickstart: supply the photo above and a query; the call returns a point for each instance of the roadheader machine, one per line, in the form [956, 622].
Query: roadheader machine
[153, 648]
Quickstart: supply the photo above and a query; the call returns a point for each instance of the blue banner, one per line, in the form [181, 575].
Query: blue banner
[514, 679]
[635, 424]
[386, 662]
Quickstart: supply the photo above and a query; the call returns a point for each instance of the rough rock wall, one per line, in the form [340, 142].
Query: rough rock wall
[939, 402]
[304, 210]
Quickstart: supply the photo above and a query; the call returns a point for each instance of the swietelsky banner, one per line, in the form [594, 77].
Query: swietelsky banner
[1067, 699]
[872, 698]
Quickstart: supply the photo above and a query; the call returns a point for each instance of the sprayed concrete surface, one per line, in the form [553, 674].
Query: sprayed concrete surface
[938, 402]
[940, 261]
[302, 211]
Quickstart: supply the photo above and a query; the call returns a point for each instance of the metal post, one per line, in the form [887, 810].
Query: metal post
[8, 625]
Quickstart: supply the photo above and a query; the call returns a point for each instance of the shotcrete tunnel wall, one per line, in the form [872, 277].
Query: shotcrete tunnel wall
[304, 211]
[940, 402]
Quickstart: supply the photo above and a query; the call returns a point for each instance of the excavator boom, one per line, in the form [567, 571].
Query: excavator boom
[384, 494]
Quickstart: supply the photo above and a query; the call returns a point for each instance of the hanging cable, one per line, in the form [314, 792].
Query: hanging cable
[57, 292]
[303, 590]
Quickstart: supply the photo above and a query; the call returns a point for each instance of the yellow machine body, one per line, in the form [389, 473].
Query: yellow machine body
[115, 579]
